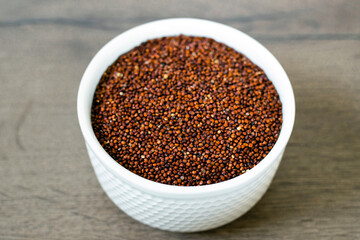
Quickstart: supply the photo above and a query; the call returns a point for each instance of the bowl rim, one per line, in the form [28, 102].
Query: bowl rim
[161, 189]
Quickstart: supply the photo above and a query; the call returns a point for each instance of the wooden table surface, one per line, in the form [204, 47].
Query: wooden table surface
[48, 189]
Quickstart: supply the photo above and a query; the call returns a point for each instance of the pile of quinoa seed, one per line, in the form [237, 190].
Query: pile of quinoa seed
[186, 111]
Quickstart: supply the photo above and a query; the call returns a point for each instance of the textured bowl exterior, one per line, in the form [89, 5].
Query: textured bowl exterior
[183, 215]
[177, 208]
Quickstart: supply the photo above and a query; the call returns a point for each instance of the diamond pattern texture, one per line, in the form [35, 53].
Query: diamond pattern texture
[183, 215]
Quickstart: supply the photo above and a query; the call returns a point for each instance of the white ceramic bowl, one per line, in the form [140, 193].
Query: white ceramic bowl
[176, 208]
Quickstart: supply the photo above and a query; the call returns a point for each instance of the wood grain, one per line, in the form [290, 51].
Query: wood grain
[47, 187]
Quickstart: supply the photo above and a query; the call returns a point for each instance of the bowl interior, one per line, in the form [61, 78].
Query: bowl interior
[193, 27]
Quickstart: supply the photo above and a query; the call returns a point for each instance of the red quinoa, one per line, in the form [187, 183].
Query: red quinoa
[186, 111]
